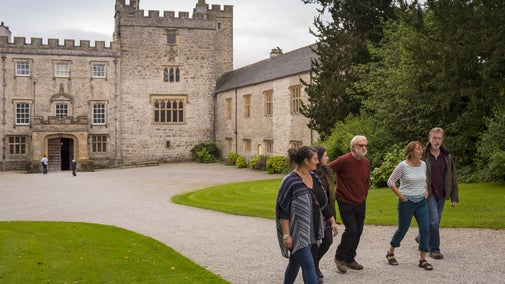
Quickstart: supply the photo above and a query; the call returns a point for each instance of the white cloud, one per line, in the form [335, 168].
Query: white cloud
[259, 25]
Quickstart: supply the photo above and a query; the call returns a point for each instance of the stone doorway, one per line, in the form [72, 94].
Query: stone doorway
[60, 153]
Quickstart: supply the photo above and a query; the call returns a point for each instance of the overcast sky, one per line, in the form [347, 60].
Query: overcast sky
[259, 25]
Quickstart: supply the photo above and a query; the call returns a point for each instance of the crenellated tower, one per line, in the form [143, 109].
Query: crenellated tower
[170, 58]
[147, 97]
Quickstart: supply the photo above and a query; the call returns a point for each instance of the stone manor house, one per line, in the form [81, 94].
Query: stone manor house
[164, 84]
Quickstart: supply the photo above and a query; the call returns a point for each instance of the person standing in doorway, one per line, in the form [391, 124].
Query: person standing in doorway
[442, 185]
[352, 172]
[44, 161]
[74, 167]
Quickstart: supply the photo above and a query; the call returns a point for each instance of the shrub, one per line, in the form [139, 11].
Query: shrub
[205, 152]
[491, 149]
[252, 162]
[258, 163]
[379, 140]
[277, 165]
[240, 162]
[232, 159]
[381, 174]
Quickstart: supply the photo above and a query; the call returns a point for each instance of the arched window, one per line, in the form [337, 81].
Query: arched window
[171, 74]
[165, 74]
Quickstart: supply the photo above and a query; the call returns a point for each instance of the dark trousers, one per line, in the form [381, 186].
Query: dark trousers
[353, 217]
[319, 251]
[44, 169]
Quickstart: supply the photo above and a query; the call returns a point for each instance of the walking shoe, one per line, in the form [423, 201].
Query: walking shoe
[354, 265]
[436, 255]
[341, 266]
[417, 239]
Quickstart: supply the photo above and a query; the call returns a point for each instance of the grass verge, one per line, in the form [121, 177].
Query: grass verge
[66, 252]
[481, 205]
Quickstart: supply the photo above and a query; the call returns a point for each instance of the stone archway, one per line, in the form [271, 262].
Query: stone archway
[60, 153]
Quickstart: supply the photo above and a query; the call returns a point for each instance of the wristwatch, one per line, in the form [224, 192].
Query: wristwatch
[285, 236]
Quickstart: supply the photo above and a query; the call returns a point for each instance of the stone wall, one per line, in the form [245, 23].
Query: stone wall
[203, 52]
[282, 127]
[134, 61]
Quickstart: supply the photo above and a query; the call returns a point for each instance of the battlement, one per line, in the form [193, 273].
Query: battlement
[155, 14]
[54, 43]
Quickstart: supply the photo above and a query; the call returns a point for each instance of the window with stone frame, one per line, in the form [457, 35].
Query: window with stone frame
[246, 145]
[171, 37]
[247, 106]
[98, 143]
[17, 145]
[22, 113]
[169, 109]
[22, 68]
[295, 144]
[228, 107]
[98, 70]
[268, 101]
[61, 110]
[269, 146]
[296, 99]
[99, 114]
[171, 74]
[62, 70]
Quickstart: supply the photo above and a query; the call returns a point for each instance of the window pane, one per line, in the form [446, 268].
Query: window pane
[22, 114]
[17, 145]
[61, 70]
[169, 111]
[99, 114]
[22, 69]
[98, 71]
[171, 37]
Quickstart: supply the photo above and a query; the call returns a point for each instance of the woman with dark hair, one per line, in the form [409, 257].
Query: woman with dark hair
[412, 201]
[298, 218]
[328, 211]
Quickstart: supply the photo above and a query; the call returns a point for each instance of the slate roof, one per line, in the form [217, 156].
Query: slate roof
[288, 64]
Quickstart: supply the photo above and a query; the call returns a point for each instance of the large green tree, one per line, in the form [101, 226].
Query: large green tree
[341, 43]
[439, 66]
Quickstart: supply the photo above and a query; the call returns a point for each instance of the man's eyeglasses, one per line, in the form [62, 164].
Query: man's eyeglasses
[361, 145]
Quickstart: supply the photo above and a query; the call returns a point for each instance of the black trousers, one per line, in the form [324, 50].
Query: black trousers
[319, 251]
[353, 217]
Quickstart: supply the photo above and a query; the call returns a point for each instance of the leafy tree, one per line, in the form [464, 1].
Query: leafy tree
[491, 148]
[379, 141]
[341, 44]
[442, 66]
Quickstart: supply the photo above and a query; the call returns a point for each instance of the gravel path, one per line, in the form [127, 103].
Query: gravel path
[240, 249]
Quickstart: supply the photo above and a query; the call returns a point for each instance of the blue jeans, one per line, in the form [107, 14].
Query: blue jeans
[435, 206]
[301, 258]
[407, 210]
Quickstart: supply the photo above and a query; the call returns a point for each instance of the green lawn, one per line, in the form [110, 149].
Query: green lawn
[64, 252]
[481, 205]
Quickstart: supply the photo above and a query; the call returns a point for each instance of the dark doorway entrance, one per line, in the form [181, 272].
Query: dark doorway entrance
[61, 153]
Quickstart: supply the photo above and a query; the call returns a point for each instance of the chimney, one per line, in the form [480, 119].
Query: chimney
[275, 52]
[4, 31]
